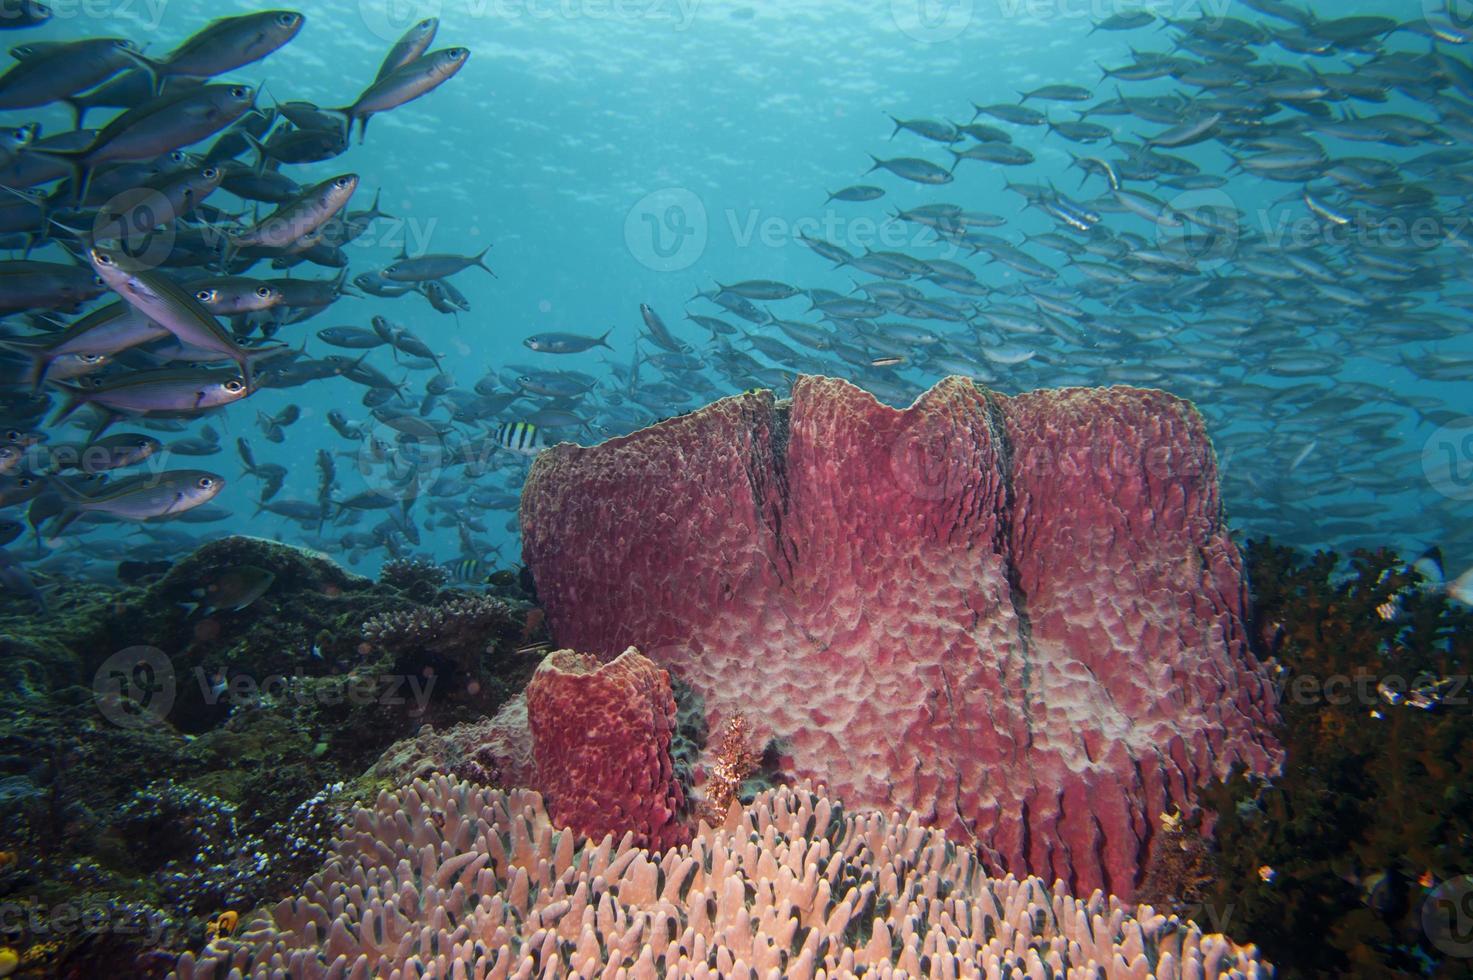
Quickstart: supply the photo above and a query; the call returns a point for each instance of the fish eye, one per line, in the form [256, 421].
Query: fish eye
[209, 173]
[342, 182]
[205, 482]
[286, 19]
[22, 134]
[97, 281]
[92, 358]
[263, 291]
[205, 295]
[239, 92]
[177, 157]
[25, 482]
[234, 385]
[101, 258]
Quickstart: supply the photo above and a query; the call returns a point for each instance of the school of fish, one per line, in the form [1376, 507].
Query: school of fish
[1275, 235]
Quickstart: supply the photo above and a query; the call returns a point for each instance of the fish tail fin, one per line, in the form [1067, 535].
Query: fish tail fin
[75, 399]
[876, 166]
[898, 126]
[1461, 588]
[604, 340]
[76, 162]
[262, 155]
[71, 500]
[481, 261]
[39, 356]
[155, 70]
[79, 111]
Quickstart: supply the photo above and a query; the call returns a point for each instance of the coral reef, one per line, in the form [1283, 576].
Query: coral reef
[446, 879]
[733, 761]
[417, 576]
[601, 737]
[494, 751]
[157, 819]
[1021, 617]
[457, 632]
[1368, 834]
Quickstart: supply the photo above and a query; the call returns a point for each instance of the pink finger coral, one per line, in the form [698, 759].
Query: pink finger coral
[449, 880]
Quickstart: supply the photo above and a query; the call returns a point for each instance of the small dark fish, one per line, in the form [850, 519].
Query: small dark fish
[17, 581]
[913, 169]
[352, 338]
[229, 43]
[1058, 93]
[566, 343]
[154, 496]
[231, 591]
[16, 14]
[858, 192]
[417, 78]
[412, 46]
[47, 73]
[433, 267]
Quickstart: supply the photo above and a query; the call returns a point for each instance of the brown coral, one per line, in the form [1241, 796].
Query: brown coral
[458, 631]
[449, 880]
[733, 762]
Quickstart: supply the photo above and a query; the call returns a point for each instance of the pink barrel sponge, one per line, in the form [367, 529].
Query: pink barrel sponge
[601, 740]
[1021, 617]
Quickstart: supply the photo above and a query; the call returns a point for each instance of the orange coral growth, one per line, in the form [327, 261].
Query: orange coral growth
[735, 760]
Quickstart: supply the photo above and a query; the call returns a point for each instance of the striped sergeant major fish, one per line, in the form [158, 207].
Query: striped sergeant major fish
[522, 438]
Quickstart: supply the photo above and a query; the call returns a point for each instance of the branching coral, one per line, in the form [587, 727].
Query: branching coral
[448, 880]
[413, 575]
[458, 631]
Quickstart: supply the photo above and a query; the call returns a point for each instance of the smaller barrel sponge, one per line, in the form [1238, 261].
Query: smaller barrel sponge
[601, 738]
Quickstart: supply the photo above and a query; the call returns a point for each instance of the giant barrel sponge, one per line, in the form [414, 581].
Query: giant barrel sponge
[1020, 616]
